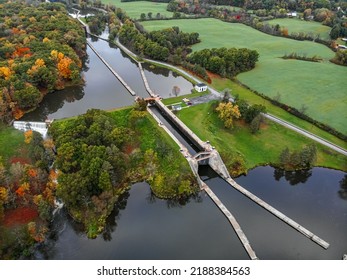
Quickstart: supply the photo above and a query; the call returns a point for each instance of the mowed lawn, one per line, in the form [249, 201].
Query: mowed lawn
[298, 25]
[135, 9]
[321, 87]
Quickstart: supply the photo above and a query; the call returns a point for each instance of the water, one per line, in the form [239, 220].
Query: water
[151, 228]
[145, 227]
[162, 81]
[311, 198]
[102, 90]
[184, 140]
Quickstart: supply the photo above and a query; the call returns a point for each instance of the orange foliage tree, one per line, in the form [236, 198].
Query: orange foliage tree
[64, 67]
[28, 136]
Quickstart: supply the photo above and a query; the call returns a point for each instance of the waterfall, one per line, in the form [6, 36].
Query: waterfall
[40, 127]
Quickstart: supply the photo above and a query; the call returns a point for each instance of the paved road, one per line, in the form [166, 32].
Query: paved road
[307, 134]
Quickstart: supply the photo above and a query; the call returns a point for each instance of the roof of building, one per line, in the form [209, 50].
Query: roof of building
[201, 85]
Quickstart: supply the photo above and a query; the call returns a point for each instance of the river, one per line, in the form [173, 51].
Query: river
[144, 227]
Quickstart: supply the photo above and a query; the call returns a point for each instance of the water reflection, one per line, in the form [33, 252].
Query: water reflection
[162, 81]
[101, 90]
[293, 177]
[343, 185]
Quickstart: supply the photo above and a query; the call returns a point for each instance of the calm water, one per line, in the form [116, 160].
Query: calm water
[102, 90]
[144, 227]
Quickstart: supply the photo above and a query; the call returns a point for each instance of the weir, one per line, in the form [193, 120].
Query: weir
[41, 127]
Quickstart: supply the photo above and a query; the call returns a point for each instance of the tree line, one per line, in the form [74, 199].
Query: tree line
[41, 51]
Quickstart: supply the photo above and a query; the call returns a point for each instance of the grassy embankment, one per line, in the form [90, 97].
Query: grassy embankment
[318, 86]
[307, 27]
[262, 148]
[11, 140]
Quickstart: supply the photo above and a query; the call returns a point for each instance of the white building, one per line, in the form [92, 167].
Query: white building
[200, 87]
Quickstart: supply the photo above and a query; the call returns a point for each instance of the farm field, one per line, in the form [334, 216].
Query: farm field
[298, 25]
[135, 9]
[318, 86]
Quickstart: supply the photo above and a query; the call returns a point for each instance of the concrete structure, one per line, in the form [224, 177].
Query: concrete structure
[41, 127]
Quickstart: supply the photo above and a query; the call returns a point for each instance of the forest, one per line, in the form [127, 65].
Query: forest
[40, 51]
[100, 154]
[225, 62]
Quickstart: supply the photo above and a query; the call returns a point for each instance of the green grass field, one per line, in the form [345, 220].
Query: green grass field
[319, 86]
[10, 141]
[261, 148]
[244, 93]
[135, 9]
[298, 25]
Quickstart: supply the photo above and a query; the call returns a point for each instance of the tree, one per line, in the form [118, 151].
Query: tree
[27, 97]
[253, 111]
[143, 16]
[256, 122]
[227, 112]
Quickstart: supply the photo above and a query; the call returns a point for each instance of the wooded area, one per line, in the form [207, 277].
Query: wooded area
[41, 50]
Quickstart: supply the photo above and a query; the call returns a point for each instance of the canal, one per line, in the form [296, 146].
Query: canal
[145, 227]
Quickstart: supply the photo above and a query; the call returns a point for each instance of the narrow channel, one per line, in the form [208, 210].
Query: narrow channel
[192, 148]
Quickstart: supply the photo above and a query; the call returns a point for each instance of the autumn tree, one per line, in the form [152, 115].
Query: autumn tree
[228, 112]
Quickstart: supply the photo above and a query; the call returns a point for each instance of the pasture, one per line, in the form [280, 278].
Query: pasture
[298, 25]
[135, 9]
[321, 87]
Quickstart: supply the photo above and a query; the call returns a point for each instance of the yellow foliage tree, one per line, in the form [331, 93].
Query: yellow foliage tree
[54, 54]
[227, 112]
[3, 194]
[5, 72]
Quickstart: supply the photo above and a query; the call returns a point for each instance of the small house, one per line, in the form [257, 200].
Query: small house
[200, 87]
